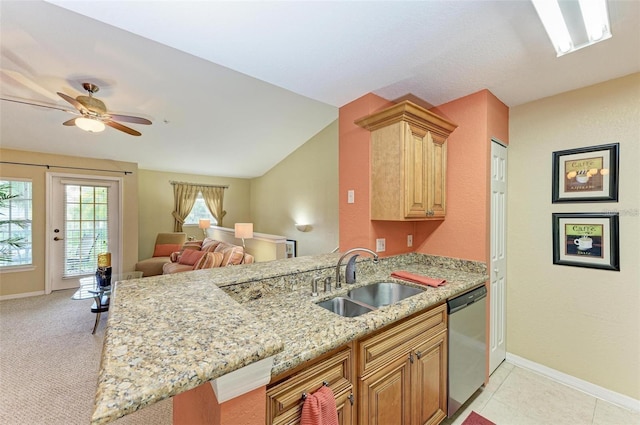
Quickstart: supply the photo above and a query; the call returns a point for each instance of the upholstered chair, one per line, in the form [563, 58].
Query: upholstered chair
[166, 243]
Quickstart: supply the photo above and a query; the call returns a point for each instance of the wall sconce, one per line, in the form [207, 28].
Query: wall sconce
[303, 227]
[204, 224]
[244, 231]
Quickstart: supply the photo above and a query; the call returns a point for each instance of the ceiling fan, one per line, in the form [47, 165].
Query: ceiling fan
[94, 115]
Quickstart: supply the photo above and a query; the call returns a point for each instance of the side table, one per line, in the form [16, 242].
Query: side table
[89, 288]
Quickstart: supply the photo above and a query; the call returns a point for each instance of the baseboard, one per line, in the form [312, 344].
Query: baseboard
[22, 295]
[579, 384]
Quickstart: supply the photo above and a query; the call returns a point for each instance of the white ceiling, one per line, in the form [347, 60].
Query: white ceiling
[233, 87]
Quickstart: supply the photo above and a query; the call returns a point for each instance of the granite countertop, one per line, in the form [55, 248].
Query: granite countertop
[169, 334]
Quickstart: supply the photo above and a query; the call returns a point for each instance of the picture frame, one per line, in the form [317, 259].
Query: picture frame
[291, 248]
[587, 174]
[586, 240]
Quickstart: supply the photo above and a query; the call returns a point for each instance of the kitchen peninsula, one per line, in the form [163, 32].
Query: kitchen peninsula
[170, 334]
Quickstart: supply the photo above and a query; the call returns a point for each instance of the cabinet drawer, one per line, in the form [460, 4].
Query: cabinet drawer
[284, 400]
[387, 345]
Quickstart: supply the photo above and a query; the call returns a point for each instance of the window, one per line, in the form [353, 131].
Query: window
[15, 223]
[199, 211]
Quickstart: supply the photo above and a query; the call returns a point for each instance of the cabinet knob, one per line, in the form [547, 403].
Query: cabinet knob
[411, 357]
[418, 355]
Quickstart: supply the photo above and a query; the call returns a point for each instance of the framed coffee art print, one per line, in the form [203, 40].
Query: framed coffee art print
[586, 240]
[586, 174]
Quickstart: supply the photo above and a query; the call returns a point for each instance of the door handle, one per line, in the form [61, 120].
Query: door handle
[58, 239]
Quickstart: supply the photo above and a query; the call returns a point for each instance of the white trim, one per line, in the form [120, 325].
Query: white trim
[21, 295]
[579, 384]
[258, 236]
[241, 381]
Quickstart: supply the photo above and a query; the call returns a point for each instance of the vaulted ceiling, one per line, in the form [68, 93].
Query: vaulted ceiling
[234, 87]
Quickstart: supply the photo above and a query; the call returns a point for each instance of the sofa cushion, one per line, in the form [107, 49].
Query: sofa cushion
[169, 268]
[152, 266]
[165, 249]
[197, 245]
[232, 255]
[190, 257]
[210, 245]
[209, 260]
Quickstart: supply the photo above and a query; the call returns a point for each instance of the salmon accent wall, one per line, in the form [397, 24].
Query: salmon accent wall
[465, 231]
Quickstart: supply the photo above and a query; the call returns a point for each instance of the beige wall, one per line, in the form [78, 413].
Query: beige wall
[34, 281]
[156, 204]
[580, 321]
[302, 188]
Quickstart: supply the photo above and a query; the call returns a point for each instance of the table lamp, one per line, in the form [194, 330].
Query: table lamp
[204, 224]
[244, 231]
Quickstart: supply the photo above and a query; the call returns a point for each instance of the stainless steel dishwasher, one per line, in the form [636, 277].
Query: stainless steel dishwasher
[467, 346]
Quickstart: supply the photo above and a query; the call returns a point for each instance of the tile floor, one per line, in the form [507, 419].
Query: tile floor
[517, 396]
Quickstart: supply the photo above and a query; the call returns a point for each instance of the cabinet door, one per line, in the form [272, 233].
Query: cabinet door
[436, 159]
[429, 388]
[385, 395]
[345, 408]
[415, 169]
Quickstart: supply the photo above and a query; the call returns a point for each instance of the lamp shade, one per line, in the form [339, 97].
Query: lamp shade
[244, 230]
[204, 223]
[89, 124]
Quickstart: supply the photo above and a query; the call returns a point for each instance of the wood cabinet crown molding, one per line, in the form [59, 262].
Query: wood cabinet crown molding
[420, 119]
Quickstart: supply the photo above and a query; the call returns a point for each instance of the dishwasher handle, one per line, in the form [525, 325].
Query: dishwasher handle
[466, 299]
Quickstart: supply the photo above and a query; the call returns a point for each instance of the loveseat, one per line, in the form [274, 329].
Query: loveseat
[206, 254]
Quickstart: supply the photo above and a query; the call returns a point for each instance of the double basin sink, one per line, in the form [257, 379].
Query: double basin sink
[368, 298]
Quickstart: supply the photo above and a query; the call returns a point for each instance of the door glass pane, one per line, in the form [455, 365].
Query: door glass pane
[86, 228]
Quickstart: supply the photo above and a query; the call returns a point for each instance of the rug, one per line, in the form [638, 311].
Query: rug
[476, 419]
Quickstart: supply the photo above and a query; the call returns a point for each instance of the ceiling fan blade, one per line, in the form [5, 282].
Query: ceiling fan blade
[79, 106]
[121, 127]
[41, 105]
[128, 118]
[70, 122]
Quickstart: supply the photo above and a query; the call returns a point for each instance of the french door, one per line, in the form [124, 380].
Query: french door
[83, 220]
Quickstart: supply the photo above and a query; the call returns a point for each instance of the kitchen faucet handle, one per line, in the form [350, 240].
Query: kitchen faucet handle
[314, 285]
[327, 284]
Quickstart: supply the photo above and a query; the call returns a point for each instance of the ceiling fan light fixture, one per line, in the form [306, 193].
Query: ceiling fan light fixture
[90, 125]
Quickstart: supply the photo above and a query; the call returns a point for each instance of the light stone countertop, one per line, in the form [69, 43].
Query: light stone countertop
[169, 334]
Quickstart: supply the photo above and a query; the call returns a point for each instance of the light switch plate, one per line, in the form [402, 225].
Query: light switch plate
[380, 245]
[351, 196]
[409, 240]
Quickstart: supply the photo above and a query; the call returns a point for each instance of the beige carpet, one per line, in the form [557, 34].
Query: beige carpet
[49, 363]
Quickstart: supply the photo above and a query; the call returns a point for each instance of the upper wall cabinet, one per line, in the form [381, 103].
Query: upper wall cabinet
[408, 162]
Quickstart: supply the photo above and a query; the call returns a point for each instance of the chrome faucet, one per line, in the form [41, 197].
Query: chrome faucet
[352, 250]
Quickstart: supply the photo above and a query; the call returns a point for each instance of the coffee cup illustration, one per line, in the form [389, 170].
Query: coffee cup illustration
[582, 176]
[584, 243]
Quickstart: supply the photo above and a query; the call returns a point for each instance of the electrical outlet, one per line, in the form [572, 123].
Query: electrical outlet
[380, 245]
[409, 240]
[351, 196]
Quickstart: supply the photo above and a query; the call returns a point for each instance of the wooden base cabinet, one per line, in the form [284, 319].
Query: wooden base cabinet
[400, 377]
[284, 398]
[403, 372]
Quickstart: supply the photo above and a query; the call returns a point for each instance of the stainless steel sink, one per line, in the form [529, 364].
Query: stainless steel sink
[345, 307]
[368, 298]
[383, 293]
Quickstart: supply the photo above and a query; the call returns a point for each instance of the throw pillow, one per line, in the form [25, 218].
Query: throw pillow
[209, 260]
[192, 245]
[210, 245]
[232, 255]
[165, 249]
[190, 257]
